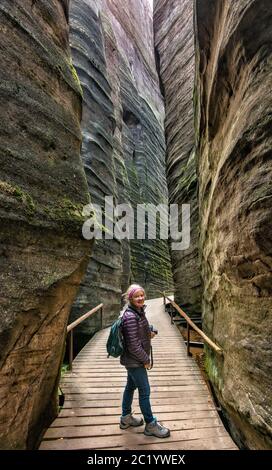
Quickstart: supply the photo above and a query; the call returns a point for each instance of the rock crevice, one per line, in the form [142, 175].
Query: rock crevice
[123, 143]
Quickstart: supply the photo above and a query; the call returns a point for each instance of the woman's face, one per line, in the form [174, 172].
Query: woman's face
[138, 298]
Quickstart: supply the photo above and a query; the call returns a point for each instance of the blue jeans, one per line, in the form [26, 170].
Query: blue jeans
[137, 378]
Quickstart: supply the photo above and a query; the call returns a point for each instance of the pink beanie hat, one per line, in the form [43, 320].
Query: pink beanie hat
[132, 289]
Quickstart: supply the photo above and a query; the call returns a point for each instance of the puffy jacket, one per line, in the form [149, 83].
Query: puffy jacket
[136, 331]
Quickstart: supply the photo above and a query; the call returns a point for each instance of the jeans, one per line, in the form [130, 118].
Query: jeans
[137, 378]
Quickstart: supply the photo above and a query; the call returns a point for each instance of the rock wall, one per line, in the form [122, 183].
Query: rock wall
[102, 282]
[123, 142]
[174, 42]
[42, 190]
[234, 167]
[143, 138]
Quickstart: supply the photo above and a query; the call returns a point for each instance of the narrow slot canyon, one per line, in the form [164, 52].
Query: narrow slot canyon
[135, 141]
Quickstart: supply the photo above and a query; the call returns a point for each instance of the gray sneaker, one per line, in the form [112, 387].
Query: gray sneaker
[129, 420]
[156, 429]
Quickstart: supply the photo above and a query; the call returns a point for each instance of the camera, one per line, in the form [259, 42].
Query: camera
[153, 330]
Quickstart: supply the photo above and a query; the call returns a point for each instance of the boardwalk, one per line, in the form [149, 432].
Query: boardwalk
[179, 397]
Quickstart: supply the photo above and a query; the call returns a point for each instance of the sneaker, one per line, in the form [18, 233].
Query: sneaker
[156, 429]
[129, 420]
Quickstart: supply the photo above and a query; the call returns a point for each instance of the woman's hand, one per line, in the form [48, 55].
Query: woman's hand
[152, 334]
[147, 366]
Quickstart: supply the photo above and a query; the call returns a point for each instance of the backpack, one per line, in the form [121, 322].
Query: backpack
[115, 343]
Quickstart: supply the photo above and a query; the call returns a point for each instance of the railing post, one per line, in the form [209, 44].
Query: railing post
[188, 340]
[171, 314]
[101, 318]
[192, 325]
[71, 350]
[70, 330]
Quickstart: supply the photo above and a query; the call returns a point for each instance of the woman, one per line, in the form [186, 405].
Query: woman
[137, 340]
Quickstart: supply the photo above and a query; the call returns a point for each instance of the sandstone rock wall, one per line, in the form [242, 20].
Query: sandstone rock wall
[123, 142]
[42, 191]
[234, 167]
[174, 42]
[142, 131]
[102, 282]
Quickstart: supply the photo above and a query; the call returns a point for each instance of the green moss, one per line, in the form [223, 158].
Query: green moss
[66, 203]
[64, 369]
[133, 260]
[75, 77]
[159, 268]
[49, 279]
[18, 193]
[188, 178]
[66, 211]
[197, 99]
[212, 370]
[123, 173]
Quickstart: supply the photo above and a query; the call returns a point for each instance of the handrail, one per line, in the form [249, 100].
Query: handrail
[191, 324]
[76, 323]
[83, 317]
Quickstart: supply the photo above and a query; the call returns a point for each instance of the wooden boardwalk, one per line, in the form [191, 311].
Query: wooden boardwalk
[179, 398]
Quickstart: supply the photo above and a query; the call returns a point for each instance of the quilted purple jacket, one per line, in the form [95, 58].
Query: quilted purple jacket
[136, 331]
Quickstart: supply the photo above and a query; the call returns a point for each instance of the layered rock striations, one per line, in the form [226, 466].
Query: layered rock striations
[234, 167]
[144, 154]
[174, 42]
[142, 133]
[123, 142]
[102, 282]
[42, 191]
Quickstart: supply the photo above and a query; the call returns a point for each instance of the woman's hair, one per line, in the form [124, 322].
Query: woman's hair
[131, 291]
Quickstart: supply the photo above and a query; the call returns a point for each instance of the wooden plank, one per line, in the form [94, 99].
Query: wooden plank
[166, 400]
[123, 378]
[191, 408]
[164, 364]
[120, 374]
[114, 396]
[112, 381]
[109, 429]
[100, 377]
[156, 388]
[129, 439]
[114, 418]
[160, 385]
[225, 443]
[106, 370]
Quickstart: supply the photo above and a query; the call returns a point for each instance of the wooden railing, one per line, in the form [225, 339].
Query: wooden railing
[76, 323]
[191, 324]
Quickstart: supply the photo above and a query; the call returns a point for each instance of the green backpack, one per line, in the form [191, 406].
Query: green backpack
[115, 343]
